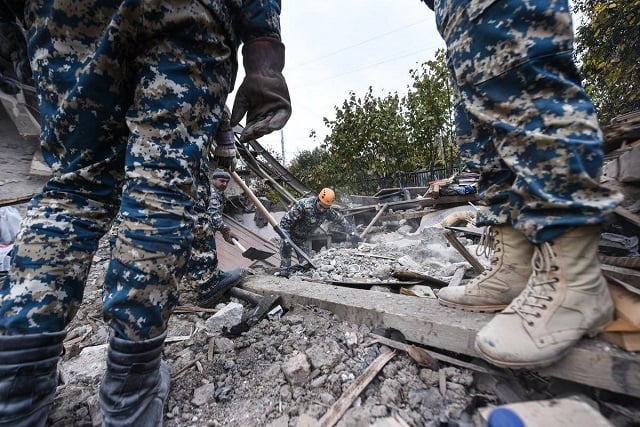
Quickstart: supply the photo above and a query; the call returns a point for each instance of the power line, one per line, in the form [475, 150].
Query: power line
[369, 66]
[335, 52]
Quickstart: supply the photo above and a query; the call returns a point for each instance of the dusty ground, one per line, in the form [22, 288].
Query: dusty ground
[241, 381]
[286, 369]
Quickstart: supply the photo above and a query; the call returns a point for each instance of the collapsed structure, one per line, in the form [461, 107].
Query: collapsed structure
[415, 241]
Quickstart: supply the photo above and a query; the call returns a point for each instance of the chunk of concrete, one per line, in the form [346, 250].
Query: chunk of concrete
[228, 317]
[296, 370]
[88, 366]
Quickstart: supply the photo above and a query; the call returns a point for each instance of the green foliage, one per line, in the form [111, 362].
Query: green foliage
[373, 137]
[368, 138]
[429, 115]
[314, 168]
[608, 49]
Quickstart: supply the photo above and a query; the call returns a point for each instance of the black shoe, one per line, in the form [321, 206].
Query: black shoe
[284, 272]
[212, 293]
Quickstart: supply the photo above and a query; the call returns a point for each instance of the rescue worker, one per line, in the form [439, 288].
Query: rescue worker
[129, 93]
[304, 217]
[525, 123]
[202, 270]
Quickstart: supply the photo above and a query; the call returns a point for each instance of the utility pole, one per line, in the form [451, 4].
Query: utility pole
[282, 144]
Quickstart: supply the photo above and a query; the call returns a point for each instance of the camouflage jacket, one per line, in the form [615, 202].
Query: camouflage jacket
[216, 206]
[304, 217]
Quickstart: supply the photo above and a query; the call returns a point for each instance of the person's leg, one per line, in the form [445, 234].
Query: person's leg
[510, 254]
[202, 267]
[522, 104]
[184, 71]
[64, 223]
[180, 92]
[508, 249]
[285, 259]
[202, 272]
[519, 80]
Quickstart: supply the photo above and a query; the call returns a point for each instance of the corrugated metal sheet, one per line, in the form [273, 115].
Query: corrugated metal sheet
[230, 256]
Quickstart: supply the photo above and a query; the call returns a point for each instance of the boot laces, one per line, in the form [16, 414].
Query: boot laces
[541, 284]
[487, 248]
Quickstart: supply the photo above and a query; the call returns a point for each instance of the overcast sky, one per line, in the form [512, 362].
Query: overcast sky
[333, 47]
[337, 46]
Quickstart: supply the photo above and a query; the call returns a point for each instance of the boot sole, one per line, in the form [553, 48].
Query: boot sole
[211, 301]
[522, 365]
[543, 363]
[473, 308]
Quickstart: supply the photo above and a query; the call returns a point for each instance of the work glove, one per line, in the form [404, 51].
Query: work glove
[263, 95]
[227, 235]
[224, 154]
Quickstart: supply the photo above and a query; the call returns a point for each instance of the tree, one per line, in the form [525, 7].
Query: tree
[314, 168]
[429, 114]
[608, 49]
[368, 138]
[374, 138]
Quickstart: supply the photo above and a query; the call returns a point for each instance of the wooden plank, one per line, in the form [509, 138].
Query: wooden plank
[338, 409]
[472, 231]
[404, 274]
[26, 125]
[628, 215]
[423, 321]
[463, 251]
[373, 221]
[458, 276]
[16, 200]
[418, 203]
[397, 216]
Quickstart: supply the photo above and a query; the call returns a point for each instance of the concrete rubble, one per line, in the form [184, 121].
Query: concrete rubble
[283, 372]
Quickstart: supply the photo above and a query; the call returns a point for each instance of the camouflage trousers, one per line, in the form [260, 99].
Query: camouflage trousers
[523, 120]
[202, 267]
[129, 96]
[286, 251]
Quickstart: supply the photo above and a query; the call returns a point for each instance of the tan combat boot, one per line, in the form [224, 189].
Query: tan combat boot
[506, 277]
[567, 297]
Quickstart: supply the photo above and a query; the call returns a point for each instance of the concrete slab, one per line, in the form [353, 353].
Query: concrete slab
[592, 362]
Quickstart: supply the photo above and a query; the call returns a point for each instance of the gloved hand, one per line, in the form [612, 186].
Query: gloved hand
[227, 235]
[263, 95]
[225, 152]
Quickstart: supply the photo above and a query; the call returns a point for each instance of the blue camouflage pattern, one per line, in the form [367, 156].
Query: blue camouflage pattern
[301, 221]
[522, 118]
[202, 268]
[216, 208]
[129, 93]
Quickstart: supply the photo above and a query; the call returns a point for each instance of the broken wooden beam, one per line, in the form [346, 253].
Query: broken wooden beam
[373, 221]
[338, 409]
[463, 251]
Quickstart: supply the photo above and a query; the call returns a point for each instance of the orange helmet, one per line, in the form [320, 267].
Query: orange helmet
[327, 196]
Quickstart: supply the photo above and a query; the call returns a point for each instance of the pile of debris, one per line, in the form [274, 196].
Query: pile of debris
[283, 370]
[302, 364]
